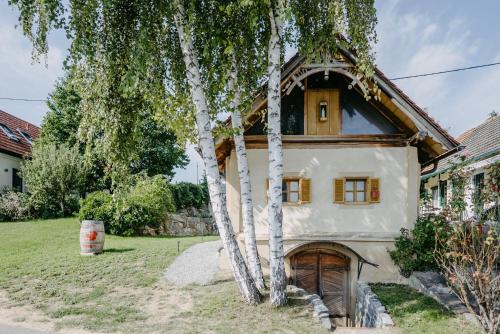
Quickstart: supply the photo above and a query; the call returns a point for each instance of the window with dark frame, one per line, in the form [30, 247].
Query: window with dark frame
[8, 132]
[443, 191]
[435, 196]
[26, 136]
[478, 181]
[355, 190]
[17, 181]
[291, 190]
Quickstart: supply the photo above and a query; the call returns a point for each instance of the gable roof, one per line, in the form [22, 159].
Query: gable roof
[20, 147]
[478, 143]
[436, 138]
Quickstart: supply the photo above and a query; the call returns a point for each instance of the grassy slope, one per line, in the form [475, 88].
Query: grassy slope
[417, 313]
[122, 289]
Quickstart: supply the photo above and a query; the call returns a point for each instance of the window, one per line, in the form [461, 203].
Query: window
[8, 132]
[478, 181]
[352, 190]
[295, 190]
[355, 190]
[26, 136]
[443, 191]
[360, 117]
[291, 193]
[435, 196]
[17, 181]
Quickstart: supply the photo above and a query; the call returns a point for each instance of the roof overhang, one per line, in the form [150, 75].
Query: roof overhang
[435, 139]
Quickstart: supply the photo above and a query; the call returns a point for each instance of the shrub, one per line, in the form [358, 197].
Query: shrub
[54, 176]
[145, 203]
[14, 205]
[97, 206]
[190, 195]
[414, 249]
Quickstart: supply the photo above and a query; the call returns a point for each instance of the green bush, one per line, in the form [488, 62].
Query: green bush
[188, 195]
[145, 203]
[414, 249]
[54, 176]
[97, 206]
[14, 205]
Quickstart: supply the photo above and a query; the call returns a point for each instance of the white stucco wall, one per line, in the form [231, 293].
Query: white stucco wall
[7, 163]
[368, 229]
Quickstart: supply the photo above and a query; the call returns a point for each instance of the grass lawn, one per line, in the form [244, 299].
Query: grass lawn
[122, 290]
[417, 313]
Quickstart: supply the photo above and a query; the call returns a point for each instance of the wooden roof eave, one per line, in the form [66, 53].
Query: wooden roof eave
[390, 98]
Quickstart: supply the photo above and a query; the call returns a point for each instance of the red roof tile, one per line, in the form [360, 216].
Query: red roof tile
[13, 147]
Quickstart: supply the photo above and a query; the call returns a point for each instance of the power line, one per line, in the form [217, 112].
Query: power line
[21, 99]
[398, 78]
[447, 71]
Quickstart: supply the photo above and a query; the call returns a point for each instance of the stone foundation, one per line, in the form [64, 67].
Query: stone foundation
[188, 222]
[369, 310]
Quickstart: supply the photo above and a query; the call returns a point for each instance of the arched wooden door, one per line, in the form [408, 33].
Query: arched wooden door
[325, 273]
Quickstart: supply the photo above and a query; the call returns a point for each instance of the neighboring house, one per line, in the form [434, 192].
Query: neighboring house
[16, 140]
[351, 177]
[481, 147]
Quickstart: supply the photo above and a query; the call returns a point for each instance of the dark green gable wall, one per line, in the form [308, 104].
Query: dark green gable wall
[358, 116]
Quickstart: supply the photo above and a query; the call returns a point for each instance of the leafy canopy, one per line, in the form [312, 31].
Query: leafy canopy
[129, 58]
[155, 150]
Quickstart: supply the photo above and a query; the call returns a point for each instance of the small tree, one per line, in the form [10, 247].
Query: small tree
[54, 177]
[469, 256]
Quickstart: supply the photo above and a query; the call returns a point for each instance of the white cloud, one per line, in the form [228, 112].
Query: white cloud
[413, 42]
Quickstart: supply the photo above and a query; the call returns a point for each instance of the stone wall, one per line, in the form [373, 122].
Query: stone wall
[434, 285]
[369, 310]
[188, 222]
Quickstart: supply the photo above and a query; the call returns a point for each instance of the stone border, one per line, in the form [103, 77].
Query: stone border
[369, 310]
[320, 311]
[434, 285]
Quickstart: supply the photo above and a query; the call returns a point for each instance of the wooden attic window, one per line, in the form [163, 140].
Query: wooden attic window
[356, 190]
[295, 190]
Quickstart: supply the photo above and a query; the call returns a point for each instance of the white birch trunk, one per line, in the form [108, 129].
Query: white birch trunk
[205, 139]
[276, 254]
[244, 175]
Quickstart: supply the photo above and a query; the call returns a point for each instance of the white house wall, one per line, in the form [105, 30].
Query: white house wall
[7, 163]
[368, 229]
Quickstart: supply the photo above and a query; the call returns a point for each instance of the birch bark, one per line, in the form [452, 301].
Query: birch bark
[206, 143]
[275, 214]
[244, 175]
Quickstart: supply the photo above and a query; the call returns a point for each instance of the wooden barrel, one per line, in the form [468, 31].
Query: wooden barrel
[91, 237]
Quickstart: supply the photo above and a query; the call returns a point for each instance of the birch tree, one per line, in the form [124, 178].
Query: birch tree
[275, 148]
[242, 28]
[206, 144]
[131, 52]
[323, 28]
[245, 185]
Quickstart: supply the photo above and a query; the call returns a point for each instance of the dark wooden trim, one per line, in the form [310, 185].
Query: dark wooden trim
[259, 141]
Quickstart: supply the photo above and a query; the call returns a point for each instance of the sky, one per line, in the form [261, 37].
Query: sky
[413, 37]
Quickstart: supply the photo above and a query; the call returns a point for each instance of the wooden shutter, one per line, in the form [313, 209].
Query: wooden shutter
[338, 190]
[374, 189]
[305, 190]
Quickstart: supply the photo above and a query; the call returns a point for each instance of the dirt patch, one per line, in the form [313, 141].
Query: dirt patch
[160, 304]
[25, 316]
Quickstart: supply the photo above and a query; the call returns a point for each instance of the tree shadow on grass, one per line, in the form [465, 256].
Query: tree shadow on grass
[118, 250]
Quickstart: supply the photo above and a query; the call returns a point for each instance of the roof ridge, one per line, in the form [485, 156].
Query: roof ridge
[20, 119]
[468, 133]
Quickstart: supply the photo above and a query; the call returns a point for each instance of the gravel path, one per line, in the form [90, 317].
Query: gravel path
[198, 264]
